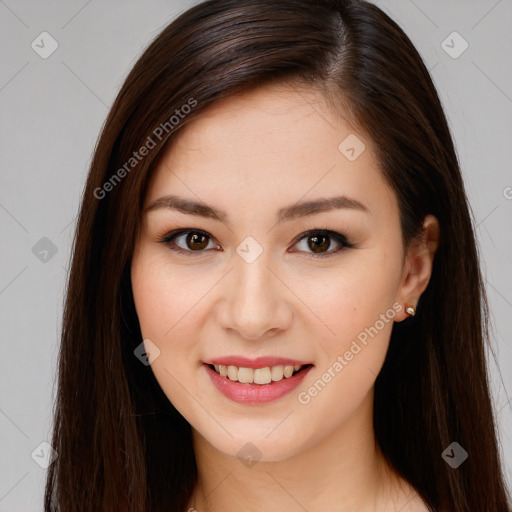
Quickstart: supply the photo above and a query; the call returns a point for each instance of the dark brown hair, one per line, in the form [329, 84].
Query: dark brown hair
[121, 443]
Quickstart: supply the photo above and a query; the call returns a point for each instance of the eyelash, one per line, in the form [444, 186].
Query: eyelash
[168, 239]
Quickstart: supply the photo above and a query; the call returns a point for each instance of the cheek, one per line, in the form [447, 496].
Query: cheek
[167, 305]
[357, 309]
[353, 296]
[152, 298]
[161, 297]
[170, 303]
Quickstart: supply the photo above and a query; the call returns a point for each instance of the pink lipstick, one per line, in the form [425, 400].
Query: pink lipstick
[256, 386]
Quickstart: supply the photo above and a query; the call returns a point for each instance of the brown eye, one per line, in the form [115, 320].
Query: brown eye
[188, 241]
[319, 244]
[196, 241]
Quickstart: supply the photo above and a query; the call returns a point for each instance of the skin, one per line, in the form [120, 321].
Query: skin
[251, 155]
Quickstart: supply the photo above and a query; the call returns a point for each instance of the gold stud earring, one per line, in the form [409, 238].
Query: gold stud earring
[411, 310]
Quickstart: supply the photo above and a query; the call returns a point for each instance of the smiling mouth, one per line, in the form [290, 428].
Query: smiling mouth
[258, 376]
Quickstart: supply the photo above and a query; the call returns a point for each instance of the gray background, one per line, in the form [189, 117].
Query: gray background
[52, 110]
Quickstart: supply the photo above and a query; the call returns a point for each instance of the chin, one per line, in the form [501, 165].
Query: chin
[251, 448]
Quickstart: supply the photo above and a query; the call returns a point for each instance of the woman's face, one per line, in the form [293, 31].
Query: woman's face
[250, 282]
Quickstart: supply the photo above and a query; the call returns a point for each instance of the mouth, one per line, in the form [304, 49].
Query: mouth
[258, 382]
[258, 376]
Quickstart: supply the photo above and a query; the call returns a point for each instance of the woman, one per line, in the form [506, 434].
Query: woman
[275, 300]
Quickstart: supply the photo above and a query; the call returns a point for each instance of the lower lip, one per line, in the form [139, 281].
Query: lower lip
[255, 393]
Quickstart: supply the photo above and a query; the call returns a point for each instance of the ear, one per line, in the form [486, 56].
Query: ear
[419, 260]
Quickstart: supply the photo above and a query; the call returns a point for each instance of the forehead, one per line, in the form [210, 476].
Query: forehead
[271, 143]
[262, 124]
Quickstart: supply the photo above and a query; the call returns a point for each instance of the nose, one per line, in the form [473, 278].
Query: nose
[255, 301]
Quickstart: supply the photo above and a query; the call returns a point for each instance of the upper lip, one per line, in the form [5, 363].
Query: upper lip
[259, 362]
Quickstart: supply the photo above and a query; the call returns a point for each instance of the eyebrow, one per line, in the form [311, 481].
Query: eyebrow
[300, 209]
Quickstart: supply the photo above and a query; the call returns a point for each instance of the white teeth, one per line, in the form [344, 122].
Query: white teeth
[245, 375]
[288, 370]
[277, 373]
[258, 375]
[262, 376]
[232, 373]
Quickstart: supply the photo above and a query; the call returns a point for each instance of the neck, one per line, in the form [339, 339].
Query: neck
[345, 468]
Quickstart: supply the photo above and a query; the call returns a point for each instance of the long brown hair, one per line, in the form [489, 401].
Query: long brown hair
[121, 444]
